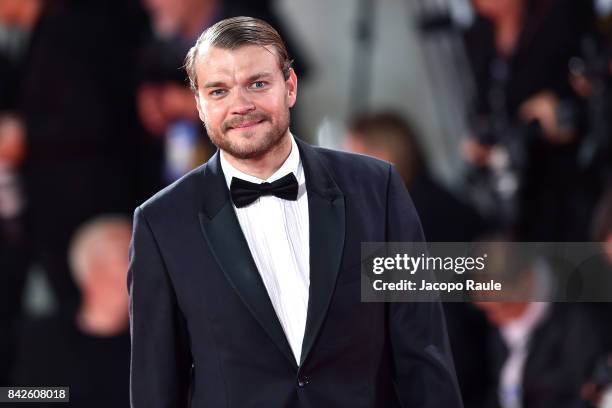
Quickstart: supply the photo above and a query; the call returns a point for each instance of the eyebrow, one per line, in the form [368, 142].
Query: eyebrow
[216, 84]
[259, 75]
[252, 78]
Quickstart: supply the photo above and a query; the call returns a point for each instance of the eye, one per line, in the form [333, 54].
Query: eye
[258, 85]
[217, 92]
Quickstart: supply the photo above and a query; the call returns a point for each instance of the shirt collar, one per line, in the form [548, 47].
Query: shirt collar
[292, 164]
[516, 333]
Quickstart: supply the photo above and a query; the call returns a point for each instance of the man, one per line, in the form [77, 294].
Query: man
[387, 136]
[537, 352]
[244, 275]
[89, 350]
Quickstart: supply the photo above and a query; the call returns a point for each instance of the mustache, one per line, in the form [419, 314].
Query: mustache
[250, 117]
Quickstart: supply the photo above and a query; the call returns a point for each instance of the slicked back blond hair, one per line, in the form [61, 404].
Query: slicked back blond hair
[236, 32]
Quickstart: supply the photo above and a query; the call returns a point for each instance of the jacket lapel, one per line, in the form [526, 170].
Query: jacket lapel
[224, 236]
[327, 227]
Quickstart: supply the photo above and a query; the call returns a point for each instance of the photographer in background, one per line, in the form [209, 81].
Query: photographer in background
[520, 51]
[591, 80]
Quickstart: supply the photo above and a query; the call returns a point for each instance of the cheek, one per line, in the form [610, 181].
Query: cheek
[213, 113]
[273, 99]
[275, 105]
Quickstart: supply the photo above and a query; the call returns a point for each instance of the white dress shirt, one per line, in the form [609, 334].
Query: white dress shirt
[516, 334]
[277, 233]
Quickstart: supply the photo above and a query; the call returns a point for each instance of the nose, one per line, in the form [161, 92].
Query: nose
[241, 104]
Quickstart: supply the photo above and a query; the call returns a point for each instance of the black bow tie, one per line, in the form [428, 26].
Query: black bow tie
[244, 192]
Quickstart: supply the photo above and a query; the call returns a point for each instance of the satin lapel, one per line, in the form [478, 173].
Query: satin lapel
[327, 227]
[224, 236]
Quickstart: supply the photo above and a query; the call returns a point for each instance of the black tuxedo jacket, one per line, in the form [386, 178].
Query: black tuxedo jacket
[205, 334]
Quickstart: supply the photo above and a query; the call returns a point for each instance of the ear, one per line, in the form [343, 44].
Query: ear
[199, 106]
[291, 84]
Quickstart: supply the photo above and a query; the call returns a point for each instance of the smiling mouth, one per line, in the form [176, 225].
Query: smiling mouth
[247, 125]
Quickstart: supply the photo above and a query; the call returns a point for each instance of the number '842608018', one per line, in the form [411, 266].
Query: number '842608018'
[34, 394]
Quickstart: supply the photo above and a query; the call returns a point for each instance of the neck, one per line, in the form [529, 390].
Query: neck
[102, 319]
[266, 165]
[508, 28]
[199, 18]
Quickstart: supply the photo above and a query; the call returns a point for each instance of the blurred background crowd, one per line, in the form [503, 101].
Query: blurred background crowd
[497, 114]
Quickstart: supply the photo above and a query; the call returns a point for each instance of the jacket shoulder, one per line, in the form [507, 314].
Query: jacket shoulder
[177, 196]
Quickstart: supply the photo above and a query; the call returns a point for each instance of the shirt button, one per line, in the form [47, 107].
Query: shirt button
[303, 381]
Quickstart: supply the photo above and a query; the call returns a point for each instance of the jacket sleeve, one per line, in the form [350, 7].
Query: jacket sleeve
[160, 358]
[424, 371]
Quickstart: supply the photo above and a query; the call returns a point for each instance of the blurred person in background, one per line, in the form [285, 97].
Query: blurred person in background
[538, 353]
[21, 13]
[14, 244]
[595, 273]
[591, 79]
[444, 218]
[389, 137]
[89, 351]
[519, 52]
[602, 223]
[166, 106]
[598, 389]
[73, 94]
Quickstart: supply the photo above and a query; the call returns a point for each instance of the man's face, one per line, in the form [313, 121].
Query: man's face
[107, 264]
[8, 11]
[243, 99]
[12, 12]
[495, 8]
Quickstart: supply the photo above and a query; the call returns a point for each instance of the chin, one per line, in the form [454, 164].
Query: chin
[253, 153]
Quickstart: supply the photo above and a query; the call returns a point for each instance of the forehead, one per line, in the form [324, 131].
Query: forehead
[214, 62]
